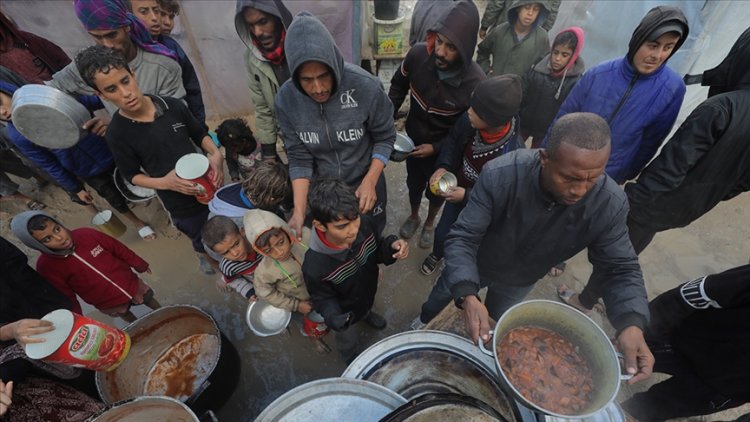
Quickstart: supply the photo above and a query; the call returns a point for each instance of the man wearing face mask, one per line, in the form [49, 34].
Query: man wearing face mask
[441, 76]
[262, 24]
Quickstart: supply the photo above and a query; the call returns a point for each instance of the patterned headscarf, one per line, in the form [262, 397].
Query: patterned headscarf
[112, 14]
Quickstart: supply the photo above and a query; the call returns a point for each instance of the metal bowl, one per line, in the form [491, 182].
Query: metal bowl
[48, 117]
[402, 147]
[265, 319]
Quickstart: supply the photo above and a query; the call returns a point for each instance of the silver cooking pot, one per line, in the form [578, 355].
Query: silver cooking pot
[579, 329]
[48, 117]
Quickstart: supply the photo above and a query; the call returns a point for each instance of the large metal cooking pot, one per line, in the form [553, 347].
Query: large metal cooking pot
[444, 407]
[579, 329]
[333, 399]
[48, 117]
[152, 336]
[415, 363]
[139, 409]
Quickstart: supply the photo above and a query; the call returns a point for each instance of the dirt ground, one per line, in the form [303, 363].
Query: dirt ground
[273, 365]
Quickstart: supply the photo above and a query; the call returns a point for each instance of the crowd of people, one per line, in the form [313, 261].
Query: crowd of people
[301, 223]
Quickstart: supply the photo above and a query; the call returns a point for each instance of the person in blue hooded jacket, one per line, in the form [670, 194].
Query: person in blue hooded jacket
[336, 119]
[88, 161]
[638, 95]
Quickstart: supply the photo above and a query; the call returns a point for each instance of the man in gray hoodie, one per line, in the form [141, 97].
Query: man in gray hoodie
[336, 120]
[261, 25]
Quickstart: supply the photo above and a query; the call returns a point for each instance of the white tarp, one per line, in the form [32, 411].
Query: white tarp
[206, 31]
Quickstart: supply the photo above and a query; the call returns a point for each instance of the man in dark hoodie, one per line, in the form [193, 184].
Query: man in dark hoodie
[440, 75]
[336, 121]
[638, 94]
[706, 161]
[262, 25]
[517, 44]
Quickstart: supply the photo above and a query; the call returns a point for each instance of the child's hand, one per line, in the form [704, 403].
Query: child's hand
[23, 330]
[455, 195]
[304, 307]
[97, 125]
[222, 286]
[172, 182]
[252, 299]
[6, 396]
[402, 249]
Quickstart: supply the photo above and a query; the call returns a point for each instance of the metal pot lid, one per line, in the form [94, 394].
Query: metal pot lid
[416, 363]
[48, 117]
[332, 399]
[145, 408]
[444, 407]
[611, 413]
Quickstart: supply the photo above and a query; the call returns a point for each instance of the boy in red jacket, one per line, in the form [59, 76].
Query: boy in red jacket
[87, 263]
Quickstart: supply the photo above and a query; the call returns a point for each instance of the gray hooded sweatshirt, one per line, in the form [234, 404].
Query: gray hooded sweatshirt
[19, 225]
[338, 138]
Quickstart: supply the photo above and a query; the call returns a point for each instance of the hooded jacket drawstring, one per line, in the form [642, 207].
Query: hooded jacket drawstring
[562, 82]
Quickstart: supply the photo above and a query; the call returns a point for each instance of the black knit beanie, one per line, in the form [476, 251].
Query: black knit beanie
[497, 99]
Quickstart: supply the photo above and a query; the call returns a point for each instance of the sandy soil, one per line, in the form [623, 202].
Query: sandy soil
[273, 365]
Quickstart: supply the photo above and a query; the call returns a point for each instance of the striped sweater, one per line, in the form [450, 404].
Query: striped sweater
[341, 281]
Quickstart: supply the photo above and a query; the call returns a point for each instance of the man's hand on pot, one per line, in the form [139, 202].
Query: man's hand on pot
[477, 319]
[639, 361]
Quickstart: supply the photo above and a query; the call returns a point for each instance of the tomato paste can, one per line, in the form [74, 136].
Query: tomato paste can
[444, 184]
[81, 342]
[314, 325]
[196, 168]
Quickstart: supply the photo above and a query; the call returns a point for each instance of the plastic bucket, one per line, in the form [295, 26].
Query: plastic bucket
[386, 9]
[108, 222]
[80, 341]
[314, 325]
[389, 36]
[195, 168]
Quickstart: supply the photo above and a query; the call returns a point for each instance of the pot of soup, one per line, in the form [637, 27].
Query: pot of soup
[555, 360]
[176, 351]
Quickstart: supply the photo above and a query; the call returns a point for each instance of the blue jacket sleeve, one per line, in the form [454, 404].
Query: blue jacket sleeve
[45, 159]
[654, 135]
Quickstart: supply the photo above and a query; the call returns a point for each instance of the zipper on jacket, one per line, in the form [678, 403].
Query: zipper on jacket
[623, 99]
[330, 141]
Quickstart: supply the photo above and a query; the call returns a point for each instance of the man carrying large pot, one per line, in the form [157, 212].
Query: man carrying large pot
[533, 208]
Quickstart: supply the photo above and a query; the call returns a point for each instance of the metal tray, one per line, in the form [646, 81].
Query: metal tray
[48, 117]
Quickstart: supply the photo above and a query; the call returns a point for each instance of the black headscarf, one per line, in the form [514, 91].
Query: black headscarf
[23, 292]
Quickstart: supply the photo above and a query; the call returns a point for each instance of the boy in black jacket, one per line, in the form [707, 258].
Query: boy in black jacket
[341, 266]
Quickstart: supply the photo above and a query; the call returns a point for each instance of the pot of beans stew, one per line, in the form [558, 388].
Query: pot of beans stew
[555, 360]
